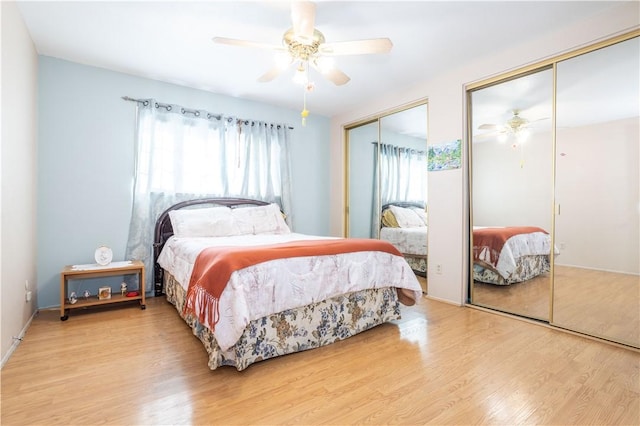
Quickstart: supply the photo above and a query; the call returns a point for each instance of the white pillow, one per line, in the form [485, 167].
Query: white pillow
[422, 214]
[407, 218]
[204, 222]
[260, 220]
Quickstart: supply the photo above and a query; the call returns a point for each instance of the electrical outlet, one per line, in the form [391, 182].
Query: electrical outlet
[439, 268]
[28, 296]
[563, 246]
[26, 285]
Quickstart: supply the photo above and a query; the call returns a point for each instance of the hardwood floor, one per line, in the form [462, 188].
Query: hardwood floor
[598, 303]
[529, 299]
[423, 283]
[440, 364]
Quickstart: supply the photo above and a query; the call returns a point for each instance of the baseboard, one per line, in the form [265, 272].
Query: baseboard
[17, 341]
[595, 269]
[437, 299]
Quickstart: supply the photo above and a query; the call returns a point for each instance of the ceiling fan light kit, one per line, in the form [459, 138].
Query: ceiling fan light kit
[305, 46]
[517, 126]
[301, 47]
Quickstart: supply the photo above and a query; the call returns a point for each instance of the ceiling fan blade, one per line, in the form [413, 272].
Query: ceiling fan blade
[488, 126]
[483, 135]
[539, 119]
[333, 74]
[357, 47]
[245, 43]
[494, 134]
[271, 74]
[303, 17]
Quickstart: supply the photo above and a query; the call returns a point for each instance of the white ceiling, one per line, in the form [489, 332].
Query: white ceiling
[598, 87]
[171, 41]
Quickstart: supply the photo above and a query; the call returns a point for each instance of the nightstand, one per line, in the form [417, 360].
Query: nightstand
[80, 272]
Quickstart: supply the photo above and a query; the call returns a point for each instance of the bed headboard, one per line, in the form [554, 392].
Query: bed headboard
[164, 230]
[418, 204]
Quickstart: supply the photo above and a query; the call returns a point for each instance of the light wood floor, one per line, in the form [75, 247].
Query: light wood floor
[599, 303]
[441, 364]
[530, 298]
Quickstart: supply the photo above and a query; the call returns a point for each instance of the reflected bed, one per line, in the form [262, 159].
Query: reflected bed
[404, 225]
[507, 255]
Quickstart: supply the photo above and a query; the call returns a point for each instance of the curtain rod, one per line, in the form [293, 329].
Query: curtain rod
[184, 110]
[401, 147]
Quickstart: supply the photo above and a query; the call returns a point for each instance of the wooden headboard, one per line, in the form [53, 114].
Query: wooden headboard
[164, 230]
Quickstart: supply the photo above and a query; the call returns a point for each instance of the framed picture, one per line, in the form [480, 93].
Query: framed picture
[444, 156]
[104, 293]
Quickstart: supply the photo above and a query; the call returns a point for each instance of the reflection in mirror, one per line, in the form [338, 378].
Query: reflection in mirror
[402, 216]
[387, 166]
[597, 277]
[511, 187]
[362, 185]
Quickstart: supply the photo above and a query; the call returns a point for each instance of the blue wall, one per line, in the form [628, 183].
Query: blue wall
[85, 161]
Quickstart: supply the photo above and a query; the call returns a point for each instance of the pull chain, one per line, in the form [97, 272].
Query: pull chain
[305, 111]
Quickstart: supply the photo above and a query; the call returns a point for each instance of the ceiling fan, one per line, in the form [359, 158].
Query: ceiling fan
[305, 46]
[517, 126]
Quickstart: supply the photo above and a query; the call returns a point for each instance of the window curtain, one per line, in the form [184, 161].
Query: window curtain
[402, 176]
[182, 154]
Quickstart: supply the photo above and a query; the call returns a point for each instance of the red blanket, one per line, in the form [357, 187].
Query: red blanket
[493, 239]
[214, 265]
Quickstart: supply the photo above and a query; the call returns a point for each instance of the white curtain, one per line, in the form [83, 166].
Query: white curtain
[403, 174]
[183, 154]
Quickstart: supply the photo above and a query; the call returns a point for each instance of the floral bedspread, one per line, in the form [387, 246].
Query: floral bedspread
[294, 330]
[407, 240]
[418, 264]
[526, 267]
[280, 285]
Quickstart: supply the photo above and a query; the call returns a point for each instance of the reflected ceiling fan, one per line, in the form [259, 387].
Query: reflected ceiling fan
[305, 46]
[517, 126]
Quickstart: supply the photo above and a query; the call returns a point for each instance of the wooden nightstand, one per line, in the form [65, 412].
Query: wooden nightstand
[79, 272]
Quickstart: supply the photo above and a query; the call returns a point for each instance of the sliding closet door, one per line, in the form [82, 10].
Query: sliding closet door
[405, 128]
[362, 185]
[597, 273]
[403, 179]
[511, 154]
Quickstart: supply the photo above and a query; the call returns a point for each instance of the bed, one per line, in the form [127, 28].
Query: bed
[404, 225]
[215, 262]
[508, 255]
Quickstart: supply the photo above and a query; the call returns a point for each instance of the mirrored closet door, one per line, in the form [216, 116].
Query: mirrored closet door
[386, 181]
[597, 274]
[573, 197]
[511, 187]
[362, 186]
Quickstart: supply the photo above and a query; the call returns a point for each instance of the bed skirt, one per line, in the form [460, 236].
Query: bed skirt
[528, 267]
[417, 263]
[293, 330]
